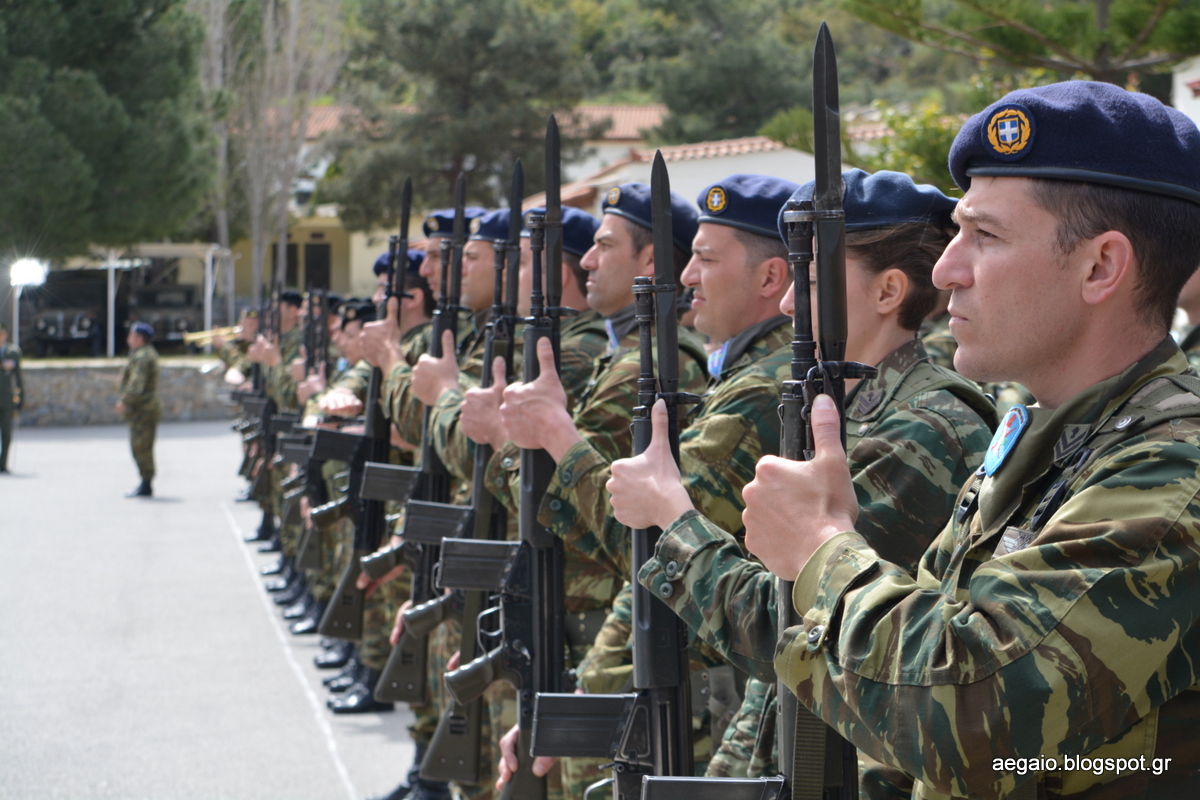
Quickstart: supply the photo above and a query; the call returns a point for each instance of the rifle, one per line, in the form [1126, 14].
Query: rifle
[528, 573]
[343, 617]
[454, 751]
[428, 517]
[648, 731]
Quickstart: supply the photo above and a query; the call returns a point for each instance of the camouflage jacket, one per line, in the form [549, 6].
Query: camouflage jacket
[582, 340]
[914, 433]
[233, 354]
[400, 405]
[602, 416]
[139, 383]
[280, 385]
[939, 342]
[1190, 345]
[734, 426]
[11, 386]
[1055, 616]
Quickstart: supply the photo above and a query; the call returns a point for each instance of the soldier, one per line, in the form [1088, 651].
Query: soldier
[1049, 644]
[11, 390]
[138, 402]
[916, 431]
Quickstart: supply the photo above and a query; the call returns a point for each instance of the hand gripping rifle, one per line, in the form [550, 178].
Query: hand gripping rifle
[429, 517]
[527, 573]
[815, 761]
[343, 617]
[454, 752]
[649, 731]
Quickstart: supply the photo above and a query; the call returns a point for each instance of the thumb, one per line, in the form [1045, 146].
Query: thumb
[499, 376]
[447, 344]
[827, 427]
[660, 424]
[545, 354]
[393, 309]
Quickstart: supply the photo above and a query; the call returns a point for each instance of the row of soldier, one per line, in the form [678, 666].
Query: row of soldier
[915, 434]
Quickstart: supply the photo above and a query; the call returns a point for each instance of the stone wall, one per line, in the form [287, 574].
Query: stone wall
[83, 391]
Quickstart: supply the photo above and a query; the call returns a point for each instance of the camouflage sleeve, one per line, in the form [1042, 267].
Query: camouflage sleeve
[401, 406]
[608, 666]
[356, 379]
[456, 450]
[1055, 649]
[576, 506]
[906, 475]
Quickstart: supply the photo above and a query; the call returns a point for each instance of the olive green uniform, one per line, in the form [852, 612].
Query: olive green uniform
[139, 393]
[11, 396]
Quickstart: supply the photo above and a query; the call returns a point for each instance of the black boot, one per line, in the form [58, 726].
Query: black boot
[266, 529]
[310, 622]
[277, 567]
[406, 788]
[142, 490]
[360, 698]
[293, 593]
[285, 578]
[272, 545]
[300, 608]
[346, 678]
[335, 657]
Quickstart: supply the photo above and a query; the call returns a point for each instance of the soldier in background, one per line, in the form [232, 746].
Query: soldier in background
[10, 393]
[138, 402]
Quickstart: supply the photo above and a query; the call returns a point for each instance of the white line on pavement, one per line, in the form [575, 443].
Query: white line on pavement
[318, 710]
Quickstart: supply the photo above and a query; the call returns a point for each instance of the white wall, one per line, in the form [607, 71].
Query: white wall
[1181, 95]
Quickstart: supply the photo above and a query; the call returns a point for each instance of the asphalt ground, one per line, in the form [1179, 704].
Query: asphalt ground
[139, 655]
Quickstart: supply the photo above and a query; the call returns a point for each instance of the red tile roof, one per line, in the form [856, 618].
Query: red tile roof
[627, 122]
[718, 149]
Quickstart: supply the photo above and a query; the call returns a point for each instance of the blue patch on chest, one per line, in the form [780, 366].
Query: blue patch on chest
[1005, 438]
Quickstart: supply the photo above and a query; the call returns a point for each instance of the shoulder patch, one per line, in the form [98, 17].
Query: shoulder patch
[1009, 132]
[1005, 438]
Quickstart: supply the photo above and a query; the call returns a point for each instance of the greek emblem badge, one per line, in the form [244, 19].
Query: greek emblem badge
[431, 224]
[716, 200]
[614, 195]
[1005, 438]
[1009, 131]
[475, 225]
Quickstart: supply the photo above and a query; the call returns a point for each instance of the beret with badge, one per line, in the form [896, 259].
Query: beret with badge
[883, 200]
[579, 229]
[358, 310]
[491, 227]
[632, 201]
[441, 222]
[292, 297]
[143, 329]
[747, 202]
[413, 264]
[1082, 131]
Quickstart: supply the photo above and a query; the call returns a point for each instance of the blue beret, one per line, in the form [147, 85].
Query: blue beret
[358, 311]
[882, 200]
[1082, 131]
[491, 227]
[579, 229]
[632, 201]
[415, 257]
[748, 202]
[441, 222]
[143, 329]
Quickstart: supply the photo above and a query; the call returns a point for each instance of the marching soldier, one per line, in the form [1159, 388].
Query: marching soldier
[138, 402]
[11, 391]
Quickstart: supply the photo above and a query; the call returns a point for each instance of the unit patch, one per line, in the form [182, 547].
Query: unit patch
[1005, 438]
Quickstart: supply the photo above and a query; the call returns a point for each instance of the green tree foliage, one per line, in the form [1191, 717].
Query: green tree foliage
[1105, 40]
[480, 78]
[918, 143]
[99, 134]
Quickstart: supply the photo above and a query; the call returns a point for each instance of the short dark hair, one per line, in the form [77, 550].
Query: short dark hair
[571, 262]
[1164, 232]
[913, 248]
[643, 236]
[760, 248]
[414, 280]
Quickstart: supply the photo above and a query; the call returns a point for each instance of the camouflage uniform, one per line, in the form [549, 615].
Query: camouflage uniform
[11, 396]
[233, 355]
[914, 433]
[139, 393]
[1190, 345]
[1055, 616]
[939, 342]
[280, 385]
